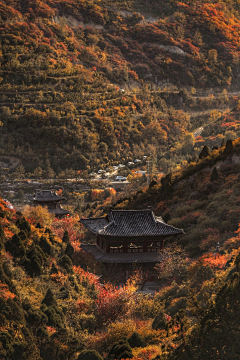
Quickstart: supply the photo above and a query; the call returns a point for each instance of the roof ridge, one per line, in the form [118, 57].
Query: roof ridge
[109, 224]
[153, 216]
[138, 223]
[142, 210]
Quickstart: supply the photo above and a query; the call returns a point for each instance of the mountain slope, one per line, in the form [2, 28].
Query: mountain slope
[206, 206]
[63, 64]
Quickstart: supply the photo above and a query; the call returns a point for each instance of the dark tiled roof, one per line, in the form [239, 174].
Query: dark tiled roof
[95, 224]
[121, 258]
[47, 195]
[59, 211]
[128, 223]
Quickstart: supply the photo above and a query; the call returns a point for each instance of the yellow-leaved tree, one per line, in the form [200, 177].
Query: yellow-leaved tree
[38, 214]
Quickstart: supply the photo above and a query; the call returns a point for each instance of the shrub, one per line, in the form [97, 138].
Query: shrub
[24, 225]
[55, 316]
[5, 340]
[66, 263]
[36, 317]
[3, 277]
[64, 293]
[119, 330]
[26, 263]
[36, 268]
[33, 261]
[87, 322]
[89, 355]
[202, 274]
[145, 307]
[7, 270]
[36, 252]
[49, 298]
[42, 333]
[12, 310]
[120, 350]
[136, 340]
[15, 246]
[160, 321]
[177, 305]
[45, 246]
[20, 350]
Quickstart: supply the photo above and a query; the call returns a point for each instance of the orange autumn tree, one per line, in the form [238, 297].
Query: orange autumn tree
[72, 226]
[114, 303]
[234, 242]
[97, 194]
[5, 293]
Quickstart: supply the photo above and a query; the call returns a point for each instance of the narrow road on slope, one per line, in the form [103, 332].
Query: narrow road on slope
[199, 130]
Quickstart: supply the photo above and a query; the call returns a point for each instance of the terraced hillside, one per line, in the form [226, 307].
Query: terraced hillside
[89, 83]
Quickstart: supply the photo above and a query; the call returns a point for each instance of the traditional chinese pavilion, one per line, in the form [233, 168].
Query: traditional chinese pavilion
[128, 236]
[50, 199]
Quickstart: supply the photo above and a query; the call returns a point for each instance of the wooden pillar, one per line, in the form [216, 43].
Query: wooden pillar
[107, 245]
[162, 244]
[145, 245]
[97, 240]
[125, 246]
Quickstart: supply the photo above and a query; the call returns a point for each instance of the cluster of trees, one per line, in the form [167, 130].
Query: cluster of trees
[61, 104]
[52, 306]
[206, 186]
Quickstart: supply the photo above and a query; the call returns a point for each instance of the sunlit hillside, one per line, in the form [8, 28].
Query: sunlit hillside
[88, 83]
[56, 303]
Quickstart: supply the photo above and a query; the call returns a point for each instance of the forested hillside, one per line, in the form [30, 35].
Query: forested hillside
[56, 303]
[202, 198]
[88, 83]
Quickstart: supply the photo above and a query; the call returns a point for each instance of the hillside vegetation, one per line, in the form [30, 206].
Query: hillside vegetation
[88, 83]
[54, 307]
[202, 198]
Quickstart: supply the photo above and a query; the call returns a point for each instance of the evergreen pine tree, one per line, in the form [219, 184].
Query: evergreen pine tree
[45, 246]
[229, 147]
[166, 183]
[214, 175]
[136, 340]
[204, 153]
[69, 250]
[54, 269]
[65, 238]
[49, 298]
[24, 225]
